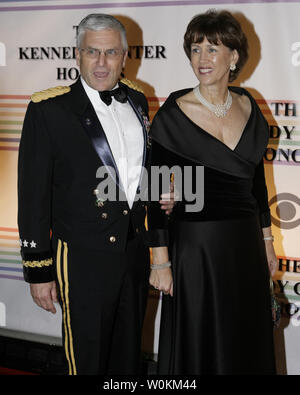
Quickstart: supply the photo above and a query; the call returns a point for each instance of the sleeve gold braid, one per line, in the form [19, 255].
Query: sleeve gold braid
[34, 264]
[48, 93]
[131, 85]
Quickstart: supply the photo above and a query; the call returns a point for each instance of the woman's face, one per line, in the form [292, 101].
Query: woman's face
[211, 63]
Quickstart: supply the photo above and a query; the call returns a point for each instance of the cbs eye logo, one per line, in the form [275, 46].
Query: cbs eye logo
[287, 210]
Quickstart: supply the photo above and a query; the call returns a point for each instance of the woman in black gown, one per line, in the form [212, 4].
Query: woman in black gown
[216, 313]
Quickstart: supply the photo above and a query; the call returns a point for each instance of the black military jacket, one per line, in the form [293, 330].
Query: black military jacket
[62, 147]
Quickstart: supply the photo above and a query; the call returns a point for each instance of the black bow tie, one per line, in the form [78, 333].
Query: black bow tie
[119, 94]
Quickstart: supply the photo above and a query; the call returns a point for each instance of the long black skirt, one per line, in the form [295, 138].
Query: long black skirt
[219, 319]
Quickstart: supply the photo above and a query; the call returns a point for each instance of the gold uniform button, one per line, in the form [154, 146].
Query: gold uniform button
[137, 230]
[104, 215]
[112, 239]
[125, 212]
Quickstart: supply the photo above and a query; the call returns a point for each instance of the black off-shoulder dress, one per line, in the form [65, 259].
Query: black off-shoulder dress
[219, 319]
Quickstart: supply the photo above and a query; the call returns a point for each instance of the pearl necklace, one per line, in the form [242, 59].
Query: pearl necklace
[220, 110]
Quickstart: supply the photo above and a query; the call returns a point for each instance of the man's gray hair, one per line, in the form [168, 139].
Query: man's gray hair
[97, 22]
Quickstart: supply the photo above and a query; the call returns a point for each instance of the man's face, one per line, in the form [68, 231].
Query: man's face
[101, 72]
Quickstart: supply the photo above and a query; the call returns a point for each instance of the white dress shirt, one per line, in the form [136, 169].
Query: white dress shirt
[124, 134]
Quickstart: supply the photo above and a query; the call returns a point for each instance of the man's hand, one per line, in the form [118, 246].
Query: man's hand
[167, 201]
[44, 295]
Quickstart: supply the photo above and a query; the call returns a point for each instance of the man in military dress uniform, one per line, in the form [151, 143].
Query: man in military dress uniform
[78, 248]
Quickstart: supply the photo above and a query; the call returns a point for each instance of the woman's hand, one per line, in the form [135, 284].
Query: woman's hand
[162, 280]
[271, 257]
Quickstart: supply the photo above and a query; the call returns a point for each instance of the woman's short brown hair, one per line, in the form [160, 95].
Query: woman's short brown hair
[218, 26]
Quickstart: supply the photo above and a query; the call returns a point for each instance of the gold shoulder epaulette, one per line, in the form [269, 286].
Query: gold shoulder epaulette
[131, 84]
[51, 92]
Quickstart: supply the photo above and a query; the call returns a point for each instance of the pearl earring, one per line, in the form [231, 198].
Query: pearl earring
[232, 67]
